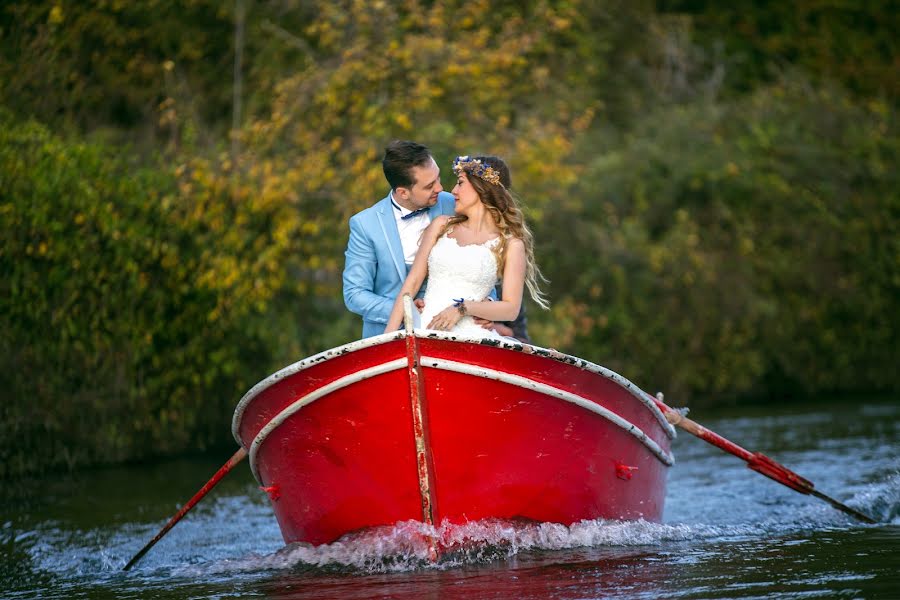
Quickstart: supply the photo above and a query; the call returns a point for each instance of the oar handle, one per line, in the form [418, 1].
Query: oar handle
[679, 420]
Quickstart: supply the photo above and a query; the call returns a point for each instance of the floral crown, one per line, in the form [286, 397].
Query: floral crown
[475, 167]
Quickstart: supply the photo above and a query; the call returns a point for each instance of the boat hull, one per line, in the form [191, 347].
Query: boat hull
[434, 428]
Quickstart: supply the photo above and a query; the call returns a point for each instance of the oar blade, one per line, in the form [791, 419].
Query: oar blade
[755, 460]
[844, 508]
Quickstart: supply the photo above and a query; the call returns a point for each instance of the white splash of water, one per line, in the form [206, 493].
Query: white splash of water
[408, 545]
[881, 501]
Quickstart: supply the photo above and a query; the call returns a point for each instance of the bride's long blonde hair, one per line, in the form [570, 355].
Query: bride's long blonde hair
[508, 217]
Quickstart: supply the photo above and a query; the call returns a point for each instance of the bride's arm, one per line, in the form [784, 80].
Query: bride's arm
[417, 272]
[505, 309]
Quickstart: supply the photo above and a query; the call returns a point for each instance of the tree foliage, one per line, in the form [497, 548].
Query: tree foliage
[739, 248]
[113, 343]
[713, 190]
[853, 43]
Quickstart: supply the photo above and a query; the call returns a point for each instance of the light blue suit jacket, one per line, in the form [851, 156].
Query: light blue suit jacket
[374, 266]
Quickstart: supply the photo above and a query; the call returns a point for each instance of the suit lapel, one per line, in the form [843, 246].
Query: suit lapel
[385, 212]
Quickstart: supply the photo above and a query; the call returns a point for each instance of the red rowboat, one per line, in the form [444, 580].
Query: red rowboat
[436, 427]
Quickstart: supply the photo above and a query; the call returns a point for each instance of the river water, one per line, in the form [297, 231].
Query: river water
[727, 532]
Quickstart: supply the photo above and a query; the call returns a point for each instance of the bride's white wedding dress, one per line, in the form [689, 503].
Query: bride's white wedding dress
[454, 272]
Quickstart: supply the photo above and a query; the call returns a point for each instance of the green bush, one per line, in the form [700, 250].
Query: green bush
[107, 348]
[744, 248]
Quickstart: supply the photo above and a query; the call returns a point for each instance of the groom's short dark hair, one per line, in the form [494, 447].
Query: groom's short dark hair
[400, 157]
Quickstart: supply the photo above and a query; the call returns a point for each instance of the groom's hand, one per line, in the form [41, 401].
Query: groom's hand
[503, 330]
[420, 304]
[483, 322]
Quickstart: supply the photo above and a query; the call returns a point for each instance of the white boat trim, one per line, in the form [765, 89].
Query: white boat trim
[298, 366]
[337, 384]
[548, 390]
[580, 363]
[504, 343]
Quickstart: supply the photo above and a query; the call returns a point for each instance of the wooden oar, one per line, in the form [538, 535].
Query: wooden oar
[238, 457]
[755, 460]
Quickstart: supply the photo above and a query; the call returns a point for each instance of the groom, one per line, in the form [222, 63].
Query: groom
[384, 238]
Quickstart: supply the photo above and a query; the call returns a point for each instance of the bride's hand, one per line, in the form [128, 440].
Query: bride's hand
[446, 319]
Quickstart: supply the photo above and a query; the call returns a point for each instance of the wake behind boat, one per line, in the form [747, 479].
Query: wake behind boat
[435, 426]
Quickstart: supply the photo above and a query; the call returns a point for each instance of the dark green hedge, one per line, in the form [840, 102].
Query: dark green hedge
[739, 248]
[107, 350]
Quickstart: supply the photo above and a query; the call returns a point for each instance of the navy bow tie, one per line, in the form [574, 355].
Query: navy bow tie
[415, 213]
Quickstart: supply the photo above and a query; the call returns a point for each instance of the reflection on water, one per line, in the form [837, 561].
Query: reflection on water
[727, 533]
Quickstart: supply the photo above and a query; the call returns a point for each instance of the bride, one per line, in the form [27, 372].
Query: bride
[464, 256]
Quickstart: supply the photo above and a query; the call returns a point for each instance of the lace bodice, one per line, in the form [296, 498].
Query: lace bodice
[456, 271]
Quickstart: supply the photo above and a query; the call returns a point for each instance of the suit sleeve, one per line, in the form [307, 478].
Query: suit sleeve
[360, 267]
[520, 325]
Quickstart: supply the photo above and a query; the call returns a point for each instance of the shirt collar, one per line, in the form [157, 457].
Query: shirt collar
[402, 211]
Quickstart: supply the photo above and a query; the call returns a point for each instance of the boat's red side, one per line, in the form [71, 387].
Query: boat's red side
[498, 446]
[500, 450]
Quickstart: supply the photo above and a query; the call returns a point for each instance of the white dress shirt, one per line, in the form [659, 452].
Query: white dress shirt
[410, 230]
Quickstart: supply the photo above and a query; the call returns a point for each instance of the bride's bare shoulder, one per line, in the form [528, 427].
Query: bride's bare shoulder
[517, 243]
